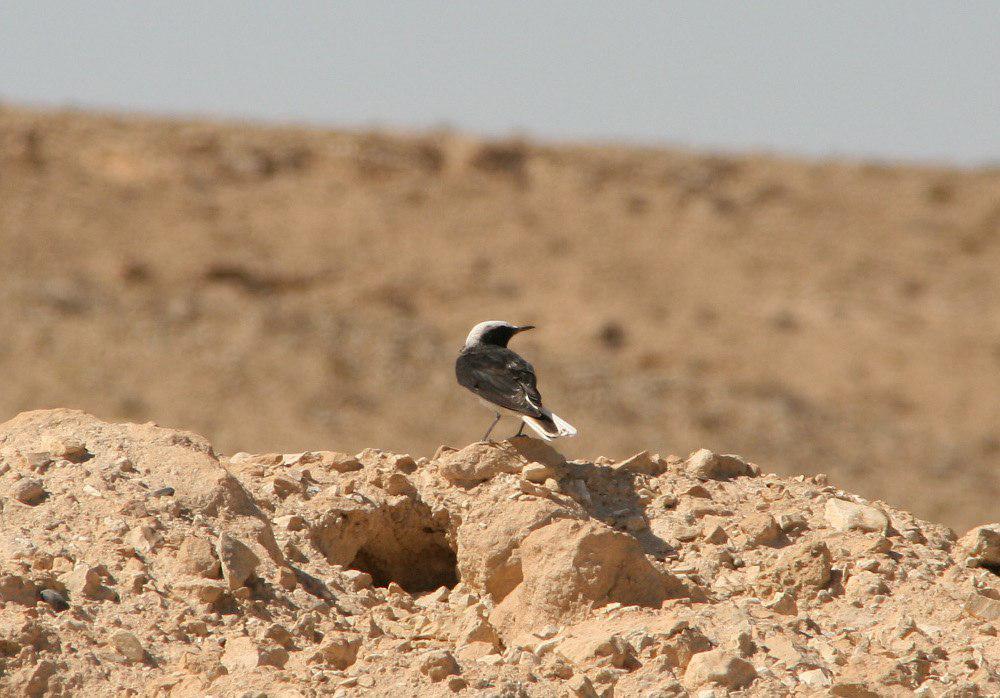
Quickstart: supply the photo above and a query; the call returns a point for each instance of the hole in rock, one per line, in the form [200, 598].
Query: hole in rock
[417, 560]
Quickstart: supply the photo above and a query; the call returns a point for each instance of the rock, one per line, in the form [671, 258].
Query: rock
[39, 461]
[357, 579]
[814, 678]
[641, 464]
[398, 484]
[238, 561]
[981, 546]
[842, 515]
[196, 556]
[438, 665]
[337, 650]
[719, 667]
[339, 462]
[128, 645]
[592, 647]
[144, 538]
[537, 472]
[983, 607]
[569, 567]
[489, 558]
[242, 653]
[54, 599]
[84, 581]
[715, 534]
[479, 462]
[679, 644]
[579, 686]
[202, 590]
[761, 529]
[799, 567]
[706, 465]
[537, 451]
[291, 522]
[864, 584]
[17, 589]
[784, 604]
[28, 491]
[71, 449]
[476, 628]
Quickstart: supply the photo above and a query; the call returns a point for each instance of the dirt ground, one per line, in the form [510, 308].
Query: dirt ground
[280, 289]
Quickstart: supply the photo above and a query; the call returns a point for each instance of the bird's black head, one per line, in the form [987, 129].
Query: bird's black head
[494, 332]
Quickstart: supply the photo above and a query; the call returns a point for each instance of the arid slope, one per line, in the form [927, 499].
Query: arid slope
[279, 288]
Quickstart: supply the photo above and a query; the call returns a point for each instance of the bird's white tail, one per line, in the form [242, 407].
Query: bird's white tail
[561, 428]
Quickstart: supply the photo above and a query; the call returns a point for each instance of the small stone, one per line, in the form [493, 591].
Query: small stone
[983, 607]
[29, 491]
[842, 515]
[284, 486]
[641, 464]
[581, 687]
[197, 557]
[128, 646]
[398, 484]
[84, 581]
[39, 462]
[457, 683]
[291, 522]
[72, 450]
[761, 529]
[716, 534]
[711, 466]
[438, 665]
[340, 462]
[357, 579]
[537, 472]
[238, 560]
[124, 465]
[784, 604]
[982, 546]
[636, 523]
[719, 667]
[54, 599]
[163, 492]
[338, 650]
[144, 538]
[814, 677]
[792, 522]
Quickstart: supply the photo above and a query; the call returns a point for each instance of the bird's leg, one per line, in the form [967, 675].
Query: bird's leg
[490, 430]
[519, 431]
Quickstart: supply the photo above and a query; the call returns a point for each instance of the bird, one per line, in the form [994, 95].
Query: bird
[504, 381]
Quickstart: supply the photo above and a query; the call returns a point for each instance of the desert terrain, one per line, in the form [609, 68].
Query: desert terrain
[286, 288]
[137, 561]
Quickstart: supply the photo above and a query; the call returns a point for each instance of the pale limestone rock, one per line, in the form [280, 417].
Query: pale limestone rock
[438, 665]
[707, 465]
[238, 561]
[842, 515]
[196, 557]
[718, 667]
[479, 462]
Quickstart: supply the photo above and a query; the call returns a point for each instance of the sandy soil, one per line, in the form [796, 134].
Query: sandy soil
[284, 288]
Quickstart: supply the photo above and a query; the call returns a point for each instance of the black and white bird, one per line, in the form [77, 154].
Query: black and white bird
[505, 382]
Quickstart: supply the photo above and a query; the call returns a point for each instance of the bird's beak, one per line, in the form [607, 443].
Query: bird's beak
[522, 328]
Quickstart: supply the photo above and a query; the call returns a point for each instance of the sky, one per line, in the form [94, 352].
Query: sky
[890, 79]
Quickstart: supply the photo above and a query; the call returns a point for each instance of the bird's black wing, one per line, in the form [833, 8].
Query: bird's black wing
[500, 376]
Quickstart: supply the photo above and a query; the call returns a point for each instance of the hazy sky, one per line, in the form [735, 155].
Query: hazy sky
[912, 79]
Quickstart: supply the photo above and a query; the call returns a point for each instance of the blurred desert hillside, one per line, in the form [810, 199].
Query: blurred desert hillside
[288, 288]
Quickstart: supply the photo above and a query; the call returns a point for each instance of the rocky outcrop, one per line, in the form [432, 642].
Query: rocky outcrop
[134, 559]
